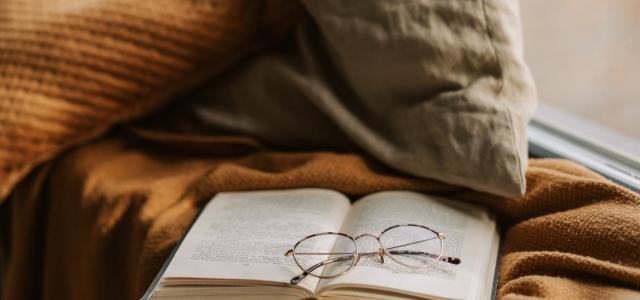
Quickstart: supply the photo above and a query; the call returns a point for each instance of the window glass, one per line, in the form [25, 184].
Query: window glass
[585, 58]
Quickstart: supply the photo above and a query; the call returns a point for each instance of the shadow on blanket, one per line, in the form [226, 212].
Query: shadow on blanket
[99, 222]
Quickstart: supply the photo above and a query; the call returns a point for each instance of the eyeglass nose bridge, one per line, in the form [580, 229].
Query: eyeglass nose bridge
[380, 251]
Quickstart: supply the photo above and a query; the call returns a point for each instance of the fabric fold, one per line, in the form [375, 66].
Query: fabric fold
[103, 219]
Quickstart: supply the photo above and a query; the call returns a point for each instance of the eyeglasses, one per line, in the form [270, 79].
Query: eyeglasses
[410, 245]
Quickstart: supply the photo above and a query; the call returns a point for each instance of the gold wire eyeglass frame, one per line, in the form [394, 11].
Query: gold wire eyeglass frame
[382, 251]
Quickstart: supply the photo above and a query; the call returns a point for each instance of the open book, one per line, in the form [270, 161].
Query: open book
[235, 249]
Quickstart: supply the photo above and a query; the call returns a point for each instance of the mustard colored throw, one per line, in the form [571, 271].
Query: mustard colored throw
[100, 221]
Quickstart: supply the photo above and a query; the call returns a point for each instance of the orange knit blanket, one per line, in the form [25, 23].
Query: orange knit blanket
[100, 222]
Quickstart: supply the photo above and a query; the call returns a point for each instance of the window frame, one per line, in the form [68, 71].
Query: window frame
[559, 134]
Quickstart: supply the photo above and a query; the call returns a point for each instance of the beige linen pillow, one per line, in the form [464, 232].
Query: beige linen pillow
[436, 89]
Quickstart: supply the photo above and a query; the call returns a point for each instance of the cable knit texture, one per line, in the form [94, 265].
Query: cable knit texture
[71, 69]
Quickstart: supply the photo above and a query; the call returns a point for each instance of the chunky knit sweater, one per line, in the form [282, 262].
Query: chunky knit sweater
[69, 70]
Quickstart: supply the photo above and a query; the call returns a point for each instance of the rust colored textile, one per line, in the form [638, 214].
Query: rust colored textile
[71, 69]
[99, 222]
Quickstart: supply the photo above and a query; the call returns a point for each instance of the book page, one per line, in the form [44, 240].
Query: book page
[244, 235]
[469, 234]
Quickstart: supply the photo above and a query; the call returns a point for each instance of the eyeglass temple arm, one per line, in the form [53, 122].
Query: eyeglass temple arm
[447, 259]
[297, 279]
